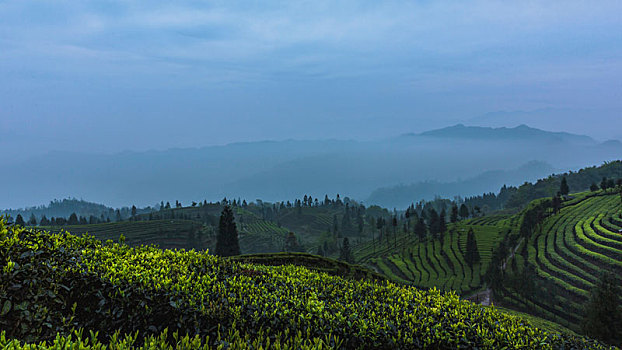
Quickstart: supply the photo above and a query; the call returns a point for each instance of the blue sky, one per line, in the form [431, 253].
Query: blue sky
[112, 76]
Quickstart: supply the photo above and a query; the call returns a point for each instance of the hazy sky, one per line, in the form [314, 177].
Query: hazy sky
[107, 76]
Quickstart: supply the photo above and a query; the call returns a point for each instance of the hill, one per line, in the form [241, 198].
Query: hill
[57, 283]
[521, 132]
[564, 257]
[439, 261]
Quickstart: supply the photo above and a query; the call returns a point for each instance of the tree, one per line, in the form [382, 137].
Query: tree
[133, 212]
[73, 219]
[453, 217]
[433, 222]
[472, 253]
[346, 253]
[603, 184]
[420, 229]
[464, 211]
[603, 314]
[19, 220]
[44, 221]
[291, 243]
[442, 223]
[563, 188]
[593, 187]
[227, 243]
[33, 220]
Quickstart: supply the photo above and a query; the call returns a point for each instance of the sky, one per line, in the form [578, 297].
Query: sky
[111, 76]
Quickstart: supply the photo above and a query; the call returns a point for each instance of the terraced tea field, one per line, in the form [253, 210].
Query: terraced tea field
[569, 252]
[432, 263]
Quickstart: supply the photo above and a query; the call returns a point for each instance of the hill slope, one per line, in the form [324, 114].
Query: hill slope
[115, 288]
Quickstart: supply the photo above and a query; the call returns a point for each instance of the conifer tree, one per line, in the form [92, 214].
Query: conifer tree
[420, 229]
[453, 217]
[73, 219]
[44, 221]
[19, 220]
[563, 188]
[346, 253]
[227, 243]
[472, 253]
[464, 211]
[33, 220]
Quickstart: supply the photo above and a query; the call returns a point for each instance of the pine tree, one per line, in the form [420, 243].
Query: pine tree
[19, 220]
[73, 219]
[433, 222]
[453, 217]
[346, 253]
[603, 314]
[563, 188]
[472, 253]
[227, 243]
[420, 229]
[33, 220]
[44, 221]
[464, 211]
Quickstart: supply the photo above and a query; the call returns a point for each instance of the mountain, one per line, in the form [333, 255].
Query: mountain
[401, 196]
[521, 132]
[282, 170]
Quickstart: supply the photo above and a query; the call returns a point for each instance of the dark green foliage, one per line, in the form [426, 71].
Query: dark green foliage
[19, 221]
[33, 220]
[420, 229]
[227, 243]
[291, 243]
[603, 313]
[593, 187]
[345, 254]
[472, 253]
[44, 221]
[433, 222]
[533, 216]
[563, 188]
[453, 217]
[603, 184]
[464, 211]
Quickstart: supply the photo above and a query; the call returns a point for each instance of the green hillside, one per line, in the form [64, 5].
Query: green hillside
[431, 262]
[64, 291]
[564, 258]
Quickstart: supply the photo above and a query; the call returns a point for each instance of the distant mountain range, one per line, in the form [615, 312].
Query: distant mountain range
[284, 170]
[521, 132]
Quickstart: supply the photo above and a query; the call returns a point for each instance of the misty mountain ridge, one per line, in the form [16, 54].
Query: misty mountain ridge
[281, 170]
[521, 132]
[403, 195]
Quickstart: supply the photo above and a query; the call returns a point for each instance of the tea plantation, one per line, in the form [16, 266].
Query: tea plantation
[430, 262]
[565, 256]
[63, 291]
